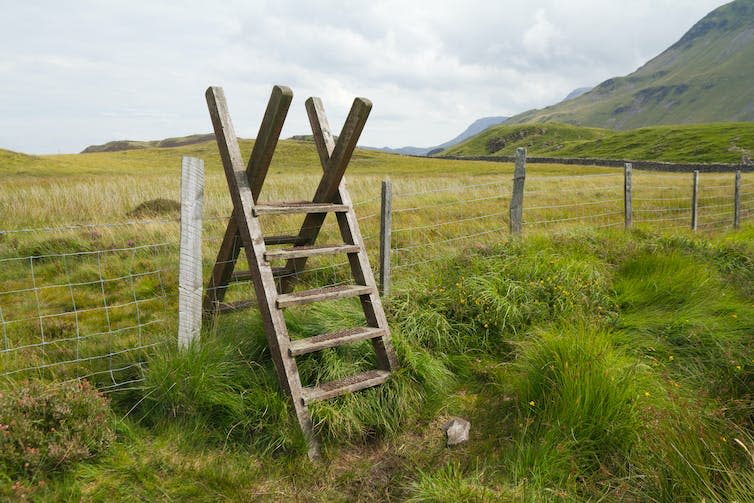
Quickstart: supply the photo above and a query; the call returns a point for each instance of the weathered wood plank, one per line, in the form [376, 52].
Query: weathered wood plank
[349, 384]
[517, 196]
[310, 251]
[333, 339]
[737, 201]
[190, 260]
[627, 196]
[335, 159]
[242, 196]
[322, 294]
[291, 208]
[695, 202]
[386, 233]
[257, 168]
[348, 223]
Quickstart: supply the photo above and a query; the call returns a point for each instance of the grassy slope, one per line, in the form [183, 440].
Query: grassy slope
[681, 143]
[705, 77]
[592, 366]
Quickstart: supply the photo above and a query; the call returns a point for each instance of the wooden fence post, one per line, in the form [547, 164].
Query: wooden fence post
[695, 202]
[190, 260]
[386, 224]
[517, 197]
[737, 202]
[627, 198]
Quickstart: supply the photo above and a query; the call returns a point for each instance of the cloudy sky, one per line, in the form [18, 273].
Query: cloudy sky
[85, 72]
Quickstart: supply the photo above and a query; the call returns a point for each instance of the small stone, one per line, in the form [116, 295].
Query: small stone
[457, 430]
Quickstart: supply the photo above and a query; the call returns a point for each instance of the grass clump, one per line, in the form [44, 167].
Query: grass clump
[46, 428]
[578, 404]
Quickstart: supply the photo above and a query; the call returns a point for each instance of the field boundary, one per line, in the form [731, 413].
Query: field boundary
[671, 167]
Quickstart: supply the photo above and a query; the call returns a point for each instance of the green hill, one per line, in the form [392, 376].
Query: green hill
[686, 143]
[704, 77]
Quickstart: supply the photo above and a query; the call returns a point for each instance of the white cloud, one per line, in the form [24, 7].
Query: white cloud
[88, 72]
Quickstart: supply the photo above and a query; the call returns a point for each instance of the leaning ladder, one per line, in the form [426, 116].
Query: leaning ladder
[244, 231]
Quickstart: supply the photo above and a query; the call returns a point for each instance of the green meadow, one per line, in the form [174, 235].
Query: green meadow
[594, 363]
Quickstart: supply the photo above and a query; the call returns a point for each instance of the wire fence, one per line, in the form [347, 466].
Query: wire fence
[93, 300]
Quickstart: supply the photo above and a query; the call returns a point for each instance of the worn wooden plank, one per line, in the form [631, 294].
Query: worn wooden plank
[517, 196]
[238, 305]
[190, 259]
[627, 197]
[334, 165]
[295, 207]
[737, 201]
[348, 224]
[242, 196]
[386, 233]
[322, 294]
[333, 339]
[695, 202]
[310, 251]
[257, 168]
[349, 384]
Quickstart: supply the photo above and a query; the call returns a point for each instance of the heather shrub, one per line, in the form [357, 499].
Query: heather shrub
[46, 427]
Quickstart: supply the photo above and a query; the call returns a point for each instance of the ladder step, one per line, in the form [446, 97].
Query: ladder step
[319, 342]
[286, 208]
[246, 275]
[281, 240]
[349, 384]
[310, 251]
[227, 307]
[320, 294]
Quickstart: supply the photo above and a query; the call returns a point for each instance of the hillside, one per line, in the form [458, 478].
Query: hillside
[119, 145]
[704, 77]
[688, 143]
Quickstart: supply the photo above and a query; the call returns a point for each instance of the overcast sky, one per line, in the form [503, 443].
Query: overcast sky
[77, 73]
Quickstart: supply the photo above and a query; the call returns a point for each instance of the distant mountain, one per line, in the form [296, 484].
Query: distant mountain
[475, 128]
[577, 92]
[115, 146]
[707, 76]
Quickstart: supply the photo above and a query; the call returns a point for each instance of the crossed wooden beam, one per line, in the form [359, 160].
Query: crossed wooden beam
[244, 231]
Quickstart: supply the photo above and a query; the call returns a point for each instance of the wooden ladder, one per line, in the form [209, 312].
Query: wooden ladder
[244, 231]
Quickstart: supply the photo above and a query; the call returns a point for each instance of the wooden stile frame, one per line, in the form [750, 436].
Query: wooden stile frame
[244, 231]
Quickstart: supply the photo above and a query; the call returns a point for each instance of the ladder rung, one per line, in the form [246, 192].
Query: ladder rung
[284, 208]
[226, 307]
[319, 342]
[310, 251]
[246, 275]
[281, 240]
[349, 384]
[320, 294]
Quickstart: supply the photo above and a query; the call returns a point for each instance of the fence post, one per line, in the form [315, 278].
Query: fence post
[517, 197]
[695, 201]
[737, 201]
[627, 198]
[190, 261]
[386, 225]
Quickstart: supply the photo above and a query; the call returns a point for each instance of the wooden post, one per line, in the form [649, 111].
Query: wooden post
[517, 197]
[737, 202]
[627, 198]
[695, 202]
[386, 225]
[190, 261]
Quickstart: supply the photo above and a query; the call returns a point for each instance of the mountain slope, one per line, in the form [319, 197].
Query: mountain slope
[704, 77]
[120, 145]
[721, 142]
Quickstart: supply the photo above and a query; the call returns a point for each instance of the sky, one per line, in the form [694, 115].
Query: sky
[77, 73]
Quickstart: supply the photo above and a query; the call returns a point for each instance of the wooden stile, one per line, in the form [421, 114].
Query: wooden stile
[244, 231]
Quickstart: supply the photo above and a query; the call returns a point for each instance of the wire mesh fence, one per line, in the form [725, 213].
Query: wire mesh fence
[92, 300]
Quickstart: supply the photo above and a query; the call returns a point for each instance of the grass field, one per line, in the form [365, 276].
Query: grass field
[594, 363]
